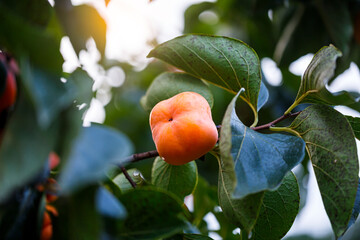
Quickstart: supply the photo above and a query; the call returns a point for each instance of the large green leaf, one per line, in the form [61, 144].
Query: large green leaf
[108, 205]
[169, 84]
[152, 214]
[94, 151]
[318, 73]
[278, 210]
[260, 160]
[331, 147]
[355, 125]
[25, 146]
[180, 180]
[225, 62]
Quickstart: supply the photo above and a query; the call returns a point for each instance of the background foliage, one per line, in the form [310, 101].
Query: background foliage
[94, 198]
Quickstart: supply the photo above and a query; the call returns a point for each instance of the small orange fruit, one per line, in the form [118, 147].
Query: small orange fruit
[182, 128]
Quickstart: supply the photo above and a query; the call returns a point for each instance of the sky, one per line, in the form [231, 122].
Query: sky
[133, 25]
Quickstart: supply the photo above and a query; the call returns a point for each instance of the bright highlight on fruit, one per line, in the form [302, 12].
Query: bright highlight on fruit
[182, 128]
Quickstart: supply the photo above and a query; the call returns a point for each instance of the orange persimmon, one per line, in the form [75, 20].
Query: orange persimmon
[182, 128]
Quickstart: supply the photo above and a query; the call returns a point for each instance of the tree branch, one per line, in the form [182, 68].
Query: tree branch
[131, 181]
[270, 124]
[140, 156]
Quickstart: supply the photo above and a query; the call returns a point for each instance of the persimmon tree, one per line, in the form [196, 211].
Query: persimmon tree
[61, 180]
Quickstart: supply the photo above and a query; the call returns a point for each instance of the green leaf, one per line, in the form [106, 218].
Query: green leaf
[78, 217]
[180, 180]
[94, 151]
[278, 210]
[318, 73]
[80, 23]
[260, 160]
[152, 214]
[332, 150]
[355, 125]
[25, 146]
[169, 84]
[123, 184]
[225, 62]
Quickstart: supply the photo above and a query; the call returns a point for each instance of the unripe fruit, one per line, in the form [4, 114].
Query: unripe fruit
[182, 128]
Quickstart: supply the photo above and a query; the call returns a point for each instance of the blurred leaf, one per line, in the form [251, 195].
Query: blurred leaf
[260, 160]
[226, 230]
[108, 205]
[336, 17]
[152, 214]
[51, 98]
[180, 180]
[123, 184]
[278, 210]
[225, 62]
[25, 147]
[34, 11]
[355, 125]
[353, 233]
[29, 41]
[95, 149]
[169, 84]
[192, 22]
[80, 23]
[205, 200]
[187, 236]
[331, 147]
[21, 218]
[316, 76]
[78, 217]
[356, 209]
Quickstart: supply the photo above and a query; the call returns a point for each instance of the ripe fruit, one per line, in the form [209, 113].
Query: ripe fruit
[182, 128]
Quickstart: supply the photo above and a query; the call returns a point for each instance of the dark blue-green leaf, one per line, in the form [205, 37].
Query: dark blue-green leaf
[49, 95]
[278, 210]
[263, 96]
[331, 146]
[93, 153]
[108, 205]
[25, 146]
[260, 160]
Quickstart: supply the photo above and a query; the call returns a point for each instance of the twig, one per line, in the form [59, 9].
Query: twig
[140, 156]
[131, 181]
[270, 124]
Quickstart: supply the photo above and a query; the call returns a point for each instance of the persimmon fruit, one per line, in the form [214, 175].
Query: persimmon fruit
[182, 128]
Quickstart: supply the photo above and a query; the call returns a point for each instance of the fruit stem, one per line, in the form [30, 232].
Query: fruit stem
[131, 181]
